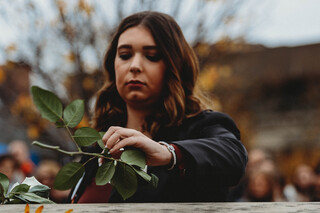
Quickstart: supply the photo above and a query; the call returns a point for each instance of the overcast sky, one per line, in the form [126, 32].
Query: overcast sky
[288, 23]
[271, 23]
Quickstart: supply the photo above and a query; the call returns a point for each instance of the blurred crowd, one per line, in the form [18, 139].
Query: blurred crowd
[17, 163]
[263, 181]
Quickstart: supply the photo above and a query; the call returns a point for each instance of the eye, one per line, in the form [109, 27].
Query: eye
[124, 56]
[154, 58]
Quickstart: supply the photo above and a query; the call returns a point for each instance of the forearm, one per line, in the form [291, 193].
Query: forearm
[221, 159]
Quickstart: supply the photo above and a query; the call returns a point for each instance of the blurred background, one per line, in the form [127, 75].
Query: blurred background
[260, 63]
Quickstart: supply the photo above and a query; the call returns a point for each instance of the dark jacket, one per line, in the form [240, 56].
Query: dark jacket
[214, 160]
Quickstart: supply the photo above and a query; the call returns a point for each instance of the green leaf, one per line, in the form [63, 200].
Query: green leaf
[125, 180]
[4, 181]
[143, 174]
[154, 181]
[33, 198]
[105, 173]
[48, 104]
[73, 113]
[86, 136]
[2, 195]
[16, 200]
[41, 190]
[100, 143]
[68, 176]
[134, 157]
[20, 188]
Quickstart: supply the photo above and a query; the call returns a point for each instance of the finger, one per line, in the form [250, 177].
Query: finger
[110, 131]
[100, 161]
[130, 141]
[113, 140]
[119, 135]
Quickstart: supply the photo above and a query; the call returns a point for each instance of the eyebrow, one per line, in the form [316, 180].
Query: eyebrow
[127, 46]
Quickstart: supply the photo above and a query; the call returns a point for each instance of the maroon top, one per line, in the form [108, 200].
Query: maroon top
[96, 194]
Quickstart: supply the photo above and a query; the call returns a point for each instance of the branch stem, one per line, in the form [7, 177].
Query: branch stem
[57, 148]
[68, 130]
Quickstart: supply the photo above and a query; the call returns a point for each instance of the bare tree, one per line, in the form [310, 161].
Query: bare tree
[81, 28]
[64, 41]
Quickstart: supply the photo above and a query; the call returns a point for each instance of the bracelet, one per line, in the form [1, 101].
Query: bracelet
[172, 151]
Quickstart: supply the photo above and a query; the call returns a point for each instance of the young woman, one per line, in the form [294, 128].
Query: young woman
[149, 102]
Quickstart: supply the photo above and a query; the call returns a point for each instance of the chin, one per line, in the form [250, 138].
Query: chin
[141, 103]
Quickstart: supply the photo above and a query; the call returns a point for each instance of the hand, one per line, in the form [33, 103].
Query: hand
[118, 137]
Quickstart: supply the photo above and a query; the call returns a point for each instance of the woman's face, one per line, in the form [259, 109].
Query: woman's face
[139, 68]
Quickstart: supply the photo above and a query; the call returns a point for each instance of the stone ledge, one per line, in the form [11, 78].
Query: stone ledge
[272, 207]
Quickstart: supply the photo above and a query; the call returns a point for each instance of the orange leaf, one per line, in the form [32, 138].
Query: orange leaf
[39, 209]
[33, 132]
[70, 210]
[2, 76]
[11, 48]
[27, 209]
[71, 57]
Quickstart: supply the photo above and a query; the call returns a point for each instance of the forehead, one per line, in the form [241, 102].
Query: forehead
[138, 35]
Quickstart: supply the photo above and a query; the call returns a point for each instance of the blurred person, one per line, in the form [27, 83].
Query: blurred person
[280, 183]
[9, 166]
[256, 158]
[316, 191]
[3, 148]
[20, 151]
[259, 187]
[303, 182]
[263, 183]
[263, 180]
[45, 173]
[278, 180]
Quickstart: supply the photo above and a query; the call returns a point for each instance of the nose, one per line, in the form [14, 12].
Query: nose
[136, 64]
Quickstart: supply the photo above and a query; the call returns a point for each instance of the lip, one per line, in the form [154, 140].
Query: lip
[135, 82]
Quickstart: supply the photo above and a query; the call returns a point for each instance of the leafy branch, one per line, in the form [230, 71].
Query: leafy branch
[122, 173]
[29, 191]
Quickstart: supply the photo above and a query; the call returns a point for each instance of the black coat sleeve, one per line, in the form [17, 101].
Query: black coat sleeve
[213, 150]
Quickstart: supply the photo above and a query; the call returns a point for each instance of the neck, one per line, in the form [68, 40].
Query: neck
[136, 117]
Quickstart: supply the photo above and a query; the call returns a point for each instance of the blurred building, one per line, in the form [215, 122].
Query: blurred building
[273, 94]
[19, 119]
[14, 90]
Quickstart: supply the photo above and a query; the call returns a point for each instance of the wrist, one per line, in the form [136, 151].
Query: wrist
[173, 159]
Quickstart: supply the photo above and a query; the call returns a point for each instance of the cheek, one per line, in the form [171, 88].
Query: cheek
[119, 82]
[118, 73]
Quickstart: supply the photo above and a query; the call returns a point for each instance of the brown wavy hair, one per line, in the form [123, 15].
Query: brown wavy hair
[178, 100]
